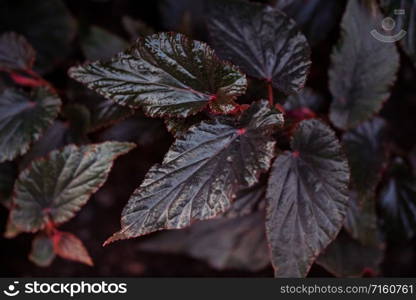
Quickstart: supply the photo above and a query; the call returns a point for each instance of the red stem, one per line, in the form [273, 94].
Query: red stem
[270, 90]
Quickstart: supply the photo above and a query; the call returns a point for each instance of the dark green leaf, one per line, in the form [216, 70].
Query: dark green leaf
[202, 172]
[346, 257]
[47, 25]
[307, 199]
[56, 187]
[238, 244]
[98, 43]
[23, 119]
[263, 42]
[42, 253]
[404, 29]
[363, 68]
[398, 202]
[70, 247]
[167, 75]
[15, 52]
[366, 154]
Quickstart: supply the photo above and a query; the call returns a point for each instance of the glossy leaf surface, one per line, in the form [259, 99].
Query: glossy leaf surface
[202, 172]
[54, 188]
[166, 74]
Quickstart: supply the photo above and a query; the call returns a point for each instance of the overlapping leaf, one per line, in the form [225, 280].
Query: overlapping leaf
[202, 172]
[42, 253]
[265, 43]
[15, 52]
[23, 118]
[238, 244]
[346, 257]
[54, 188]
[68, 246]
[398, 202]
[366, 154]
[363, 67]
[361, 221]
[167, 75]
[47, 25]
[307, 199]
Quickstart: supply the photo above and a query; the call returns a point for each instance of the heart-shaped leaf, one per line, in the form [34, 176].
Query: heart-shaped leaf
[15, 52]
[307, 198]
[68, 246]
[42, 253]
[166, 74]
[202, 172]
[366, 154]
[55, 188]
[363, 67]
[265, 43]
[398, 202]
[237, 244]
[23, 118]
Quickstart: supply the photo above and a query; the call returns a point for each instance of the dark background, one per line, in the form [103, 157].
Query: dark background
[100, 217]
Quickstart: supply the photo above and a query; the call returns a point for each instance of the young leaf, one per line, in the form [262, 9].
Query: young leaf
[363, 67]
[238, 244]
[166, 74]
[366, 154]
[15, 52]
[55, 188]
[47, 25]
[201, 172]
[68, 246]
[346, 257]
[98, 43]
[265, 43]
[23, 118]
[42, 253]
[398, 202]
[307, 198]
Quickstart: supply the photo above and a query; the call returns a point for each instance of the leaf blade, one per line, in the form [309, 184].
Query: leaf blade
[306, 199]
